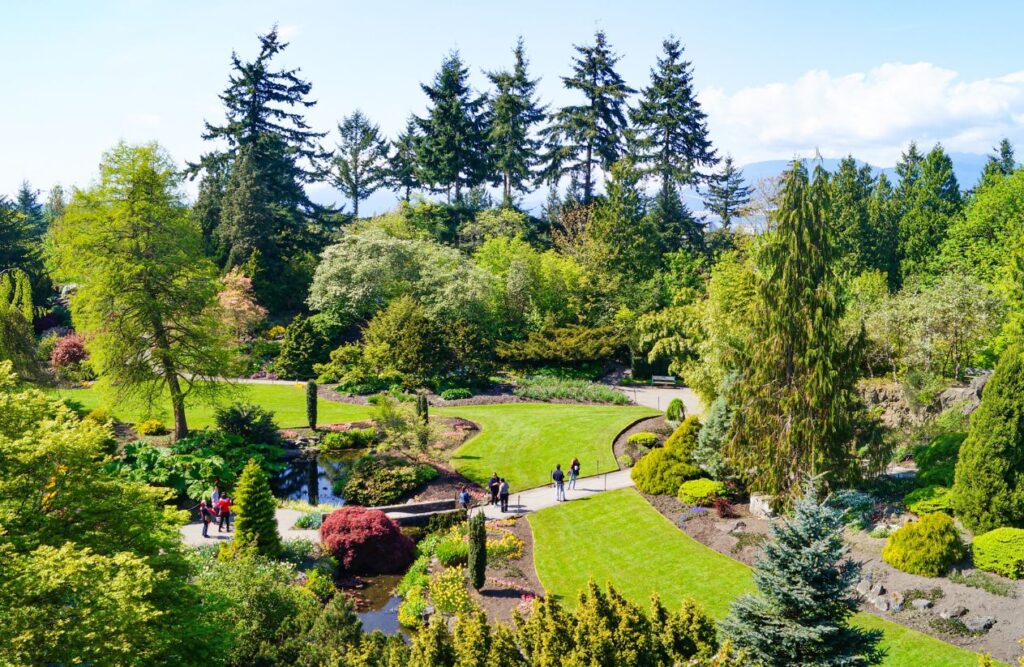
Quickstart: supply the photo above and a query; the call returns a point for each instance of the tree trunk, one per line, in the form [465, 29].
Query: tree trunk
[507, 194]
[587, 187]
[178, 406]
[355, 209]
[170, 373]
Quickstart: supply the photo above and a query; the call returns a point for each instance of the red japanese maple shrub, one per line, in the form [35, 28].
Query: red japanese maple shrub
[70, 349]
[366, 541]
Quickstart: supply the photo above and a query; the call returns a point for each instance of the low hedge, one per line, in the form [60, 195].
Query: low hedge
[927, 547]
[456, 394]
[700, 492]
[643, 439]
[1000, 551]
[357, 438]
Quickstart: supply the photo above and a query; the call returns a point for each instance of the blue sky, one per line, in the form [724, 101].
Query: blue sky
[777, 79]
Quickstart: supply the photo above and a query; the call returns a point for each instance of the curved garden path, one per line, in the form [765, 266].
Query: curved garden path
[541, 497]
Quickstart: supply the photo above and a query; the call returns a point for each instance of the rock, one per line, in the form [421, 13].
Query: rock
[761, 506]
[980, 623]
[896, 602]
[877, 590]
[921, 604]
[864, 587]
[953, 612]
[881, 603]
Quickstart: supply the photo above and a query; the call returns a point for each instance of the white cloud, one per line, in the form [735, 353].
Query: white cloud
[871, 114]
[288, 31]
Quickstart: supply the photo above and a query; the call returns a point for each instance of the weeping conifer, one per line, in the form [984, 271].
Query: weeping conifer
[797, 408]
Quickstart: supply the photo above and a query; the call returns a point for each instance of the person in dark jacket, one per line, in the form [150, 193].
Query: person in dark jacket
[206, 515]
[559, 478]
[493, 486]
[574, 472]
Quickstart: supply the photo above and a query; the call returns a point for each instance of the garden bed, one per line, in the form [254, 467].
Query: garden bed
[651, 424]
[510, 584]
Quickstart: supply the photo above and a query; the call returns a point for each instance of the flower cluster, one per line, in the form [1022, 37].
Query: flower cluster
[448, 591]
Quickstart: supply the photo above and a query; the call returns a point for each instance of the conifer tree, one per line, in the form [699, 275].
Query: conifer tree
[402, 173]
[27, 201]
[360, 161]
[477, 551]
[929, 197]
[670, 142]
[17, 337]
[19, 247]
[269, 153]
[797, 410]
[256, 522]
[851, 191]
[584, 137]
[626, 236]
[988, 491]
[880, 248]
[1003, 163]
[805, 600]
[311, 404]
[513, 112]
[451, 153]
[728, 194]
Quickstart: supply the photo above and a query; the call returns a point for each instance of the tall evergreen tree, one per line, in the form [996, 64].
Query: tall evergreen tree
[256, 524]
[929, 197]
[583, 137]
[805, 600]
[1003, 163]
[728, 194]
[851, 190]
[402, 173]
[451, 153]
[988, 491]
[513, 112]
[626, 237]
[360, 163]
[19, 246]
[797, 410]
[268, 154]
[881, 247]
[27, 201]
[670, 141]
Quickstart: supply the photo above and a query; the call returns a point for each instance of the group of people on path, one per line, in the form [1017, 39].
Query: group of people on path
[498, 487]
[218, 510]
[558, 477]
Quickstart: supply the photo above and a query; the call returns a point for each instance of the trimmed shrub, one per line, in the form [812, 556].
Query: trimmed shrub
[929, 499]
[151, 427]
[456, 394]
[383, 480]
[311, 404]
[304, 344]
[676, 411]
[643, 439]
[477, 556]
[927, 547]
[452, 550]
[626, 461]
[683, 440]
[366, 541]
[356, 438]
[700, 492]
[256, 522]
[249, 422]
[69, 350]
[1000, 551]
[661, 473]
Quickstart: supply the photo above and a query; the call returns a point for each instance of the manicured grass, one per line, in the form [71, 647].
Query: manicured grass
[288, 403]
[524, 441]
[618, 537]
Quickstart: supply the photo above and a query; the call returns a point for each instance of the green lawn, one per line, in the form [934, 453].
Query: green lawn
[288, 403]
[524, 441]
[618, 537]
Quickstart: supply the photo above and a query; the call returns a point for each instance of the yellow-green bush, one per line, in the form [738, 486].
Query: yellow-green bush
[151, 427]
[929, 499]
[664, 470]
[684, 439]
[700, 492]
[448, 591]
[643, 439]
[927, 547]
[410, 612]
[98, 416]
[1000, 551]
[507, 546]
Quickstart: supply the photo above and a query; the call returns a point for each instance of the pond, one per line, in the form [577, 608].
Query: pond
[310, 476]
[377, 605]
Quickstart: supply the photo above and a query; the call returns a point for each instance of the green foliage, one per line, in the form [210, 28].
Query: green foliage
[311, 404]
[309, 521]
[683, 440]
[927, 547]
[452, 550]
[422, 407]
[564, 345]
[700, 492]
[856, 506]
[448, 591]
[477, 556]
[456, 394]
[797, 410]
[540, 388]
[988, 491]
[985, 582]
[304, 344]
[165, 335]
[805, 598]
[929, 499]
[404, 341]
[928, 197]
[675, 411]
[356, 438]
[626, 461]
[1000, 551]
[383, 480]
[664, 470]
[728, 195]
[711, 441]
[151, 427]
[17, 339]
[936, 461]
[359, 162]
[256, 522]
[252, 423]
[643, 439]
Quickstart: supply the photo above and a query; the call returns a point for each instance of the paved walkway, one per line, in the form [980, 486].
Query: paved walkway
[192, 533]
[659, 397]
[541, 497]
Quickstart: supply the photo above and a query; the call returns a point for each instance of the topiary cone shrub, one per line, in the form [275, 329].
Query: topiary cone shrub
[311, 404]
[366, 541]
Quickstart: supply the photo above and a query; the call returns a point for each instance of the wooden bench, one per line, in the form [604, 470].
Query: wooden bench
[669, 380]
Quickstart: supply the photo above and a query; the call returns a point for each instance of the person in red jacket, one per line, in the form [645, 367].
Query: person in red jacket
[224, 512]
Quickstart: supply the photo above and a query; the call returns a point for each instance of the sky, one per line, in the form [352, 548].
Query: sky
[778, 80]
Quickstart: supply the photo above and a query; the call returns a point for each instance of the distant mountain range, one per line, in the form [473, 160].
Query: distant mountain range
[966, 166]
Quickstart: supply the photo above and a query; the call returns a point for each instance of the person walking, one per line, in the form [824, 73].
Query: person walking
[503, 494]
[464, 498]
[224, 512]
[574, 472]
[215, 494]
[559, 478]
[493, 485]
[204, 514]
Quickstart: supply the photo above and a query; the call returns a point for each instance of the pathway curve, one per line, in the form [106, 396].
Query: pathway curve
[659, 397]
[532, 500]
[192, 533]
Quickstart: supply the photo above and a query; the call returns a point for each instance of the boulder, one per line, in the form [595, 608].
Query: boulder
[968, 396]
[953, 612]
[864, 587]
[761, 506]
[881, 603]
[921, 604]
[877, 590]
[979, 624]
[896, 602]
